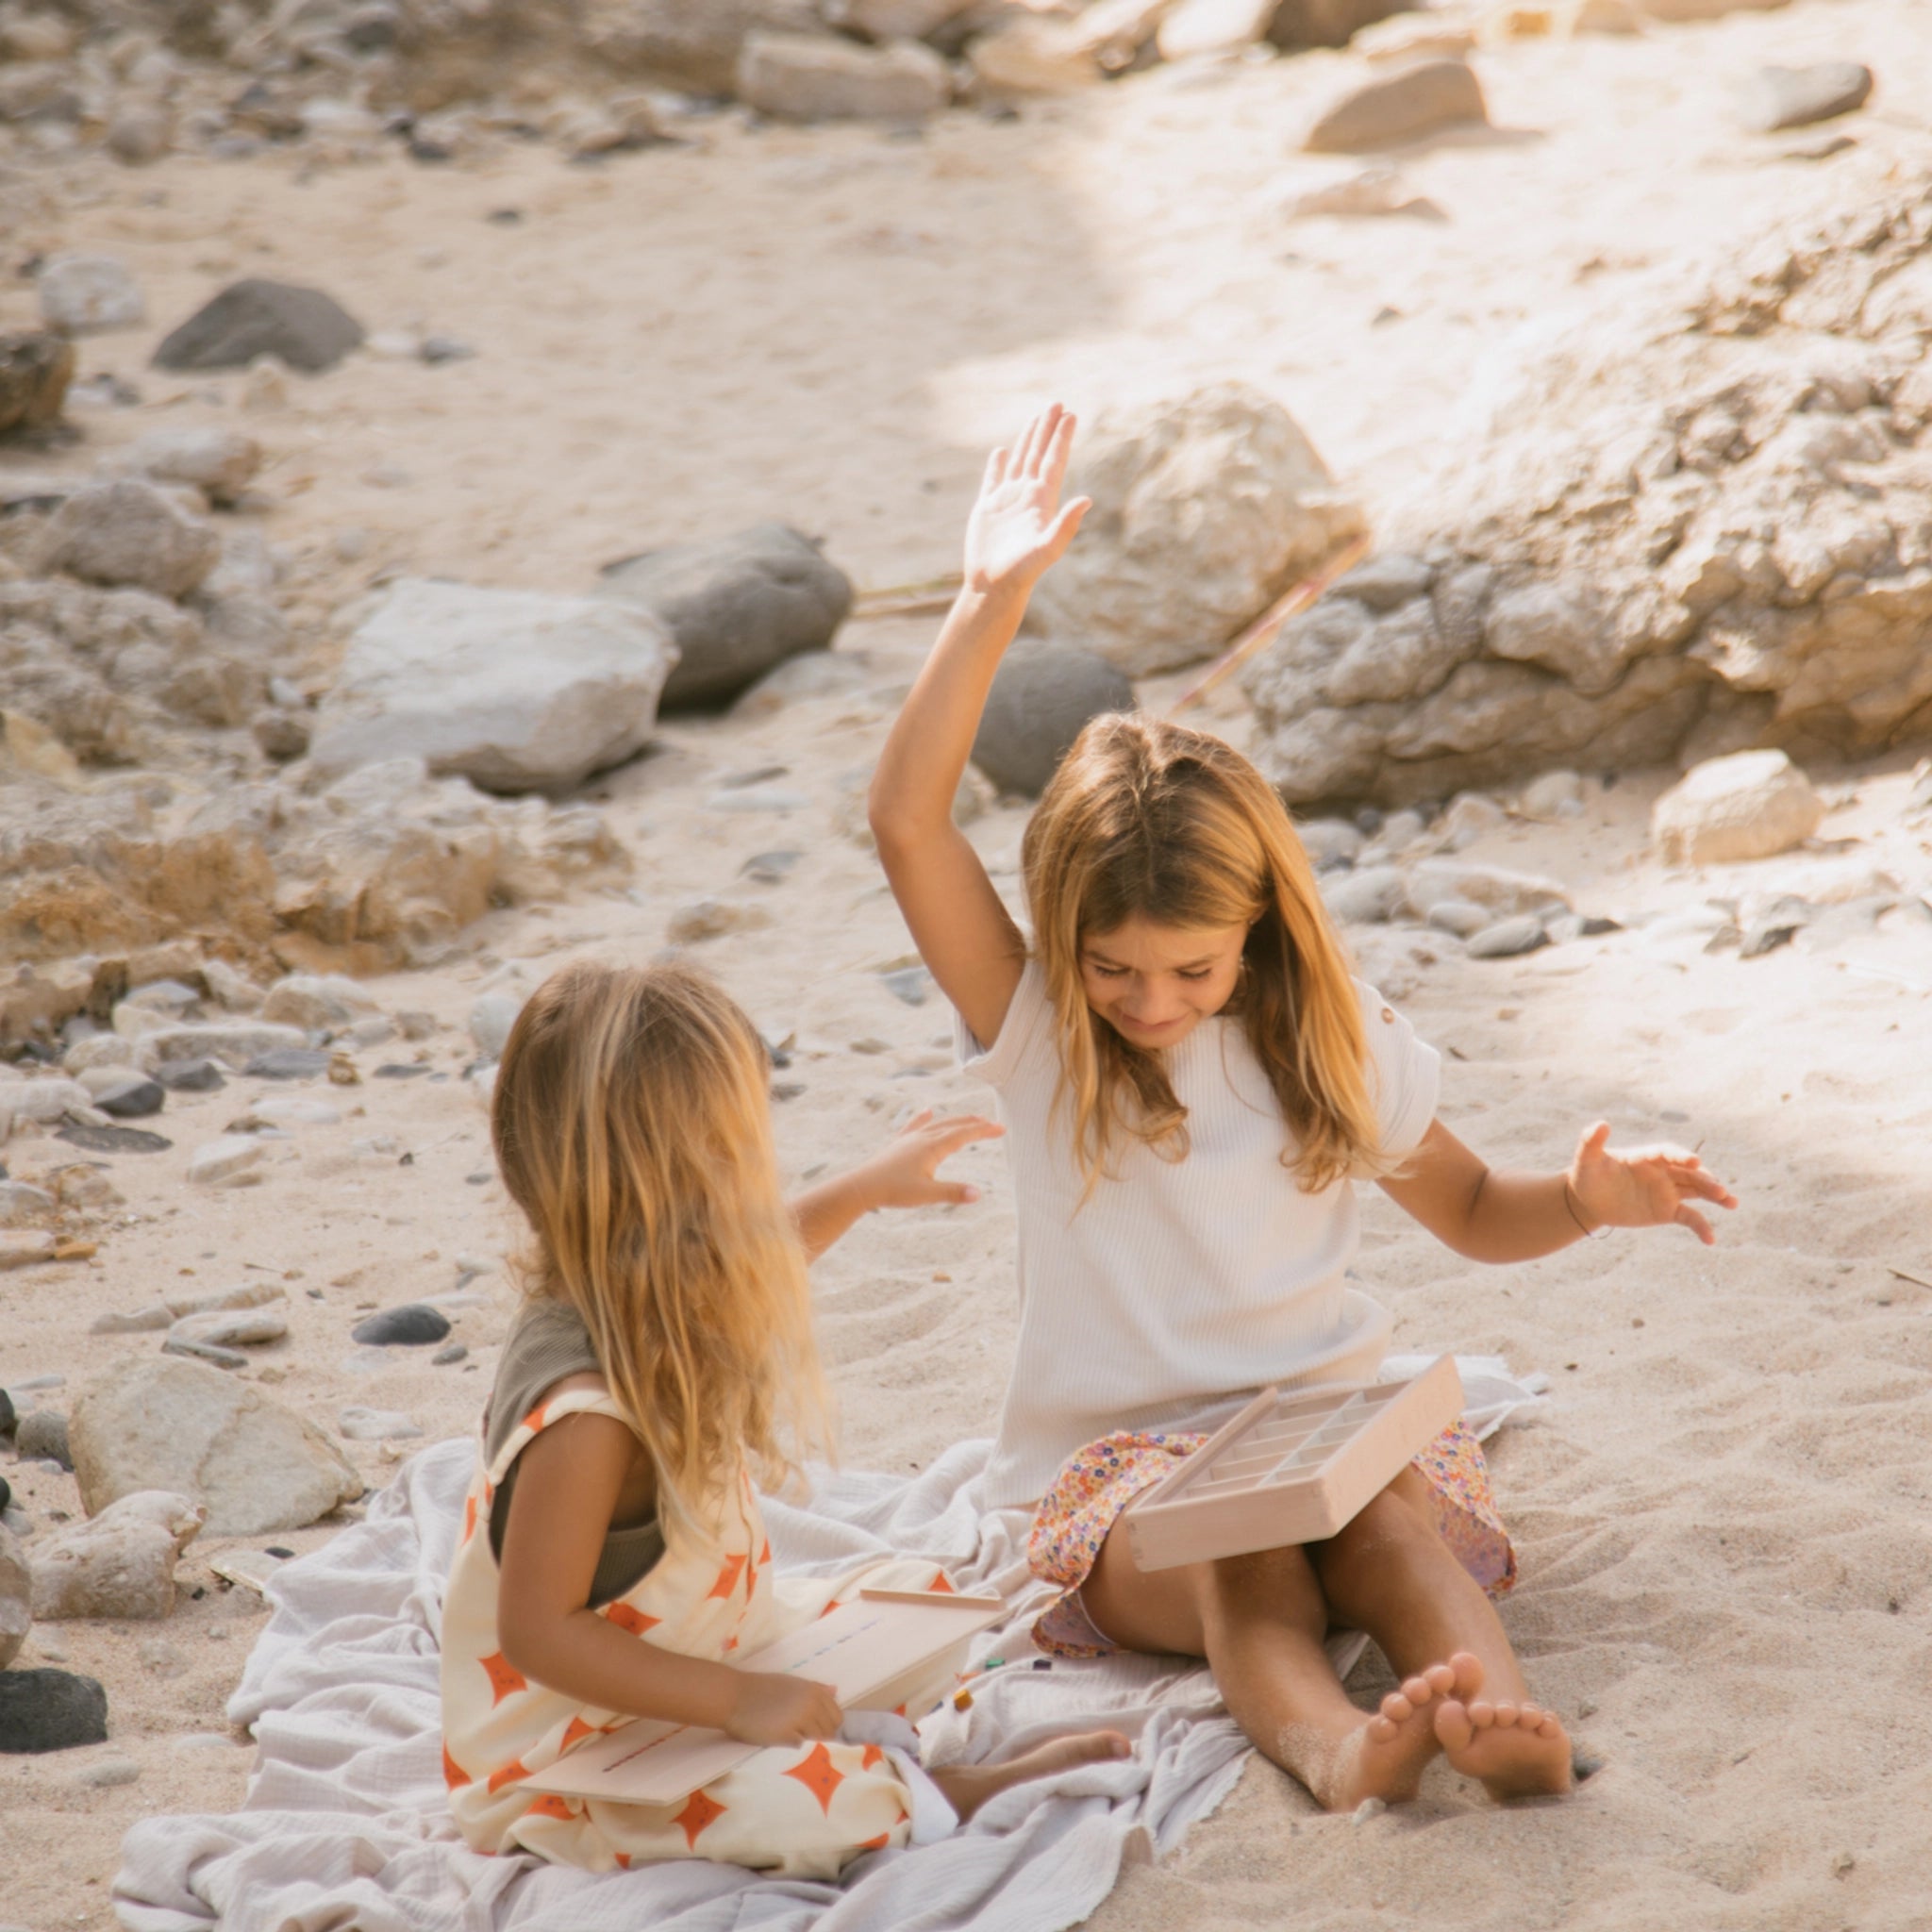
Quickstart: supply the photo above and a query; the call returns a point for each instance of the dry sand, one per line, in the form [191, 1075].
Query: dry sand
[1726, 1570]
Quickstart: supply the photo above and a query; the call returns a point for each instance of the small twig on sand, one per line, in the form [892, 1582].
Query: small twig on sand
[925, 598]
[1917, 1280]
[1263, 631]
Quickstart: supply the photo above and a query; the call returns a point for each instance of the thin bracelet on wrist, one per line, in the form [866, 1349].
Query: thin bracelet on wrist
[1590, 1234]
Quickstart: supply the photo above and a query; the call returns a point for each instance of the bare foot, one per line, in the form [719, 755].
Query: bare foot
[967, 1786]
[1384, 1759]
[1516, 1750]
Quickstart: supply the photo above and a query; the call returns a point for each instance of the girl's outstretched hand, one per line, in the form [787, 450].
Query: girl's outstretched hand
[1643, 1187]
[1018, 529]
[772, 1708]
[905, 1173]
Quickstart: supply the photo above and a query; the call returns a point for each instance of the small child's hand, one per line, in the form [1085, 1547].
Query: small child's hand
[905, 1174]
[772, 1708]
[1643, 1187]
[1018, 530]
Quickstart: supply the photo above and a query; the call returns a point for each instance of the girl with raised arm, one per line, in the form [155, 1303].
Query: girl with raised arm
[1193, 1084]
[612, 1563]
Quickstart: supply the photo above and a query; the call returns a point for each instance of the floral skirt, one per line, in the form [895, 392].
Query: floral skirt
[1099, 1481]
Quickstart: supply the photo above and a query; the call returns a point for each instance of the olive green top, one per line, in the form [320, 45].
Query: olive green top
[547, 1343]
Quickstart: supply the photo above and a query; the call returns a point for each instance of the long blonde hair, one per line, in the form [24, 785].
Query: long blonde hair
[1149, 819]
[631, 1123]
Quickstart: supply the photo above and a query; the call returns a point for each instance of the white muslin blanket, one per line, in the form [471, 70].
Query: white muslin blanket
[345, 1828]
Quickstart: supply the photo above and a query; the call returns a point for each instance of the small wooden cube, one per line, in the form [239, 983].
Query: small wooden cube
[1292, 1467]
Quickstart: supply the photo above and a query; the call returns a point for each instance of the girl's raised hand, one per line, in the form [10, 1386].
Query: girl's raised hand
[1643, 1187]
[1018, 529]
[772, 1708]
[905, 1173]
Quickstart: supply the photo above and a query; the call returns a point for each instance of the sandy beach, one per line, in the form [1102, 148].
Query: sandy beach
[1722, 1510]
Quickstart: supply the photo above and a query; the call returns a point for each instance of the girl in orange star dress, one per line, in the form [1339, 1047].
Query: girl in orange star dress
[613, 1561]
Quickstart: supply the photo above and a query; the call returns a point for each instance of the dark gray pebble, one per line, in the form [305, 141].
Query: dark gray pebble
[191, 1076]
[113, 1140]
[5, 1495]
[455, 1352]
[288, 1063]
[7, 1416]
[42, 1436]
[133, 1100]
[50, 1711]
[412, 1326]
[1584, 1764]
[397, 1071]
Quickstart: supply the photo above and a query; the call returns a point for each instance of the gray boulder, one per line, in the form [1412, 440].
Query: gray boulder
[162, 1422]
[1205, 508]
[516, 690]
[820, 77]
[81, 293]
[734, 607]
[1414, 101]
[303, 327]
[1780, 98]
[131, 533]
[1041, 701]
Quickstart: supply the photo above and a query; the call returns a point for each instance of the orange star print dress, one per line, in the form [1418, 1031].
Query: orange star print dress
[805, 1811]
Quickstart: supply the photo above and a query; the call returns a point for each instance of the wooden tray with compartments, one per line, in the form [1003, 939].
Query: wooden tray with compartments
[1292, 1467]
[873, 1651]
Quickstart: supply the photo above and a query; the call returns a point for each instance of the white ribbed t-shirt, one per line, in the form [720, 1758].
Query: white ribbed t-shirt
[1179, 1282]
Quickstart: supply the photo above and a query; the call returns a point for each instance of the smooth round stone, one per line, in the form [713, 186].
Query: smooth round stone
[288, 1063]
[107, 1773]
[411, 1325]
[378, 1426]
[1507, 937]
[5, 1495]
[191, 1076]
[50, 1711]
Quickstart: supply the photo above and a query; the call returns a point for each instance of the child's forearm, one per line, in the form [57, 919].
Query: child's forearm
[926, 754]
[586, 1656]
[827, 1211]
[1518, 1217]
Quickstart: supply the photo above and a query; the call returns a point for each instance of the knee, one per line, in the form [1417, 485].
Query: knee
[1396, 1522]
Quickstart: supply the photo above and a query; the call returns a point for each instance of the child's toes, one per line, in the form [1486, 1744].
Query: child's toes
[1455, 1730]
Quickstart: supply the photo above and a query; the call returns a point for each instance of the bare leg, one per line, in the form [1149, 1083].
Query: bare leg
[967, 1786]
[1389, 1574]
[1259, 1622]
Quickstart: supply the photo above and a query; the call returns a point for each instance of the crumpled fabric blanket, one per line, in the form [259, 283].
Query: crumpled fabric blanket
[345, 1829]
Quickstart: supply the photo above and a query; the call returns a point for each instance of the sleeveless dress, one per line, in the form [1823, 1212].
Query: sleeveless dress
[805, 1811]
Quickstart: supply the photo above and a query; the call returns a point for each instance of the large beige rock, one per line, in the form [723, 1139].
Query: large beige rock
[1404, 105]
[1751, 805]
[1206, 510]
[119, 1563]
[821, 78]
[1691, 525]
[515, 690]
[160, 1422]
